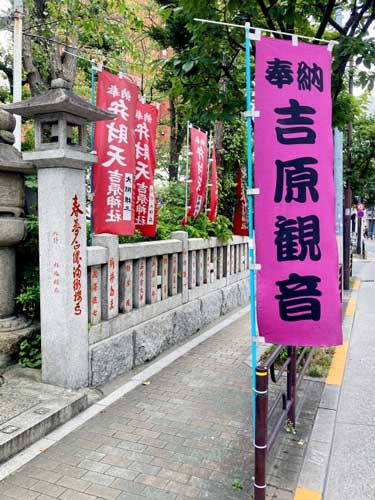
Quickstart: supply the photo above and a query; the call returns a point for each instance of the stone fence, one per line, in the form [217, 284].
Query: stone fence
[145, 297]
[134, 300]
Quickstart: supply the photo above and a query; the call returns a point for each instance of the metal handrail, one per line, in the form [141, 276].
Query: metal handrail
[266, 369]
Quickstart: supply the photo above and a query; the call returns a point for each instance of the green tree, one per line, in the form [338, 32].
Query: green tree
[53, 31]
[205, 72]
[362, 174]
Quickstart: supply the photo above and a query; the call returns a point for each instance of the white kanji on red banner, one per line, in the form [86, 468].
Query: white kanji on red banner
[198, 172]
[145, 159]
[114, 173]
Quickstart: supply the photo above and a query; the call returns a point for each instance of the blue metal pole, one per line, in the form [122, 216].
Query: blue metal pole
[92, 144]
[251, 226]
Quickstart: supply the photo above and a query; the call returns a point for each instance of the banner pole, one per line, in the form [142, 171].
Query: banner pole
[209, 161]
[187, 169]
[251, 226]
[92, 99]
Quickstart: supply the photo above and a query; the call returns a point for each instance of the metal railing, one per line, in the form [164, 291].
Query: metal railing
[265, 436]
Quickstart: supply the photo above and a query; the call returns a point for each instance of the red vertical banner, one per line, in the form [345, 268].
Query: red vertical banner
[213, 198]
[198, 171]
[114, 173]
[145, 160]
[240, 221]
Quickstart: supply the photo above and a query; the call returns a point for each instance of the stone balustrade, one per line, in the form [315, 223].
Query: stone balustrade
[147, 296]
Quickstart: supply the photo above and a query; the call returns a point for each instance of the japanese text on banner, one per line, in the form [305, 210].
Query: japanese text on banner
[213, 195]
[198, 171]
[298, 299]
[240, 219]
[145, 160]
[113, 175]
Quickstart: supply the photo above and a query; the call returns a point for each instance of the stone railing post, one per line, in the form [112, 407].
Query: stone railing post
[13, 328]
[110, 275]
[61, 158]
[183, 264]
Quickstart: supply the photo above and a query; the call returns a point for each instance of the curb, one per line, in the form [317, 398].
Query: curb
[312, 478]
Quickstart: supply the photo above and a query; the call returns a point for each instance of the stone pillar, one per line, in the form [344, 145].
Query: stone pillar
[164, 277]
[183, 264]
[110, 275]
[63, 276]
[61, 164]
[13, 328]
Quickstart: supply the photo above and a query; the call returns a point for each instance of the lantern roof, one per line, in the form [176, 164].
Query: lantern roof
[59, 98]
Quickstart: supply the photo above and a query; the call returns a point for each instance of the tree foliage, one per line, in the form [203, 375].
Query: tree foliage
[207, 65]
[362, 173]
[205, 71]
[55, 32]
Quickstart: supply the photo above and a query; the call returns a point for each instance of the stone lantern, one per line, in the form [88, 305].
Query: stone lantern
[61, 156]
[13, 328]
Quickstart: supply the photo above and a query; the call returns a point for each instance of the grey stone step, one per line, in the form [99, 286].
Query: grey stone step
[29, 410]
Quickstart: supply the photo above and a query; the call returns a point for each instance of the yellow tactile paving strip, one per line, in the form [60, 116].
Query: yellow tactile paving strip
[304, 494]
[351, 307]
[356, 284]
[336, 371]
[335, 376]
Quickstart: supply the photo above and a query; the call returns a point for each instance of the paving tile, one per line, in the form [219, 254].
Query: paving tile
[118, 460]
[48, 488]
[21, 493]
[74, 483]
[98, 478]
[71, 471]
[20, 480]
[93, 466]
[174, 476]
[75, 495]
[151, 470]
[130, 496]
[45, 497]
[157, 481]
[167, 464]
[43, 475]
[183, 489]
[128, 486]
[157, 494]
[122, 473]
[103, 492]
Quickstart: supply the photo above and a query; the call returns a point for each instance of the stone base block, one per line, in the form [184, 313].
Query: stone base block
[230, 298]
[244, 292]
[31, 410]
[187, 321]
[210, 307]
[12, 332]
[152, 337]
[111, 358]
[135, 346]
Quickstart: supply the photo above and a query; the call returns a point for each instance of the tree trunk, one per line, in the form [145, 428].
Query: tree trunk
[34, 79]
[177, 137]
[218, 141]
[64, 63]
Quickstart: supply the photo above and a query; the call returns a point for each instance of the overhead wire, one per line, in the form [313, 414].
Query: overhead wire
[78, 49]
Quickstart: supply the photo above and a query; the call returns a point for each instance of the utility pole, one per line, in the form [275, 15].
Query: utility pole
[348, 195]
[17, 65]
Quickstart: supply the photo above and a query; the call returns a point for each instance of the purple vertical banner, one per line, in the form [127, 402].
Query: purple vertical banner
[298, 300]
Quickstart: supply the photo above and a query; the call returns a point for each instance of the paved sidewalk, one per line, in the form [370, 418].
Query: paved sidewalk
[185, 434]
[351, 472]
